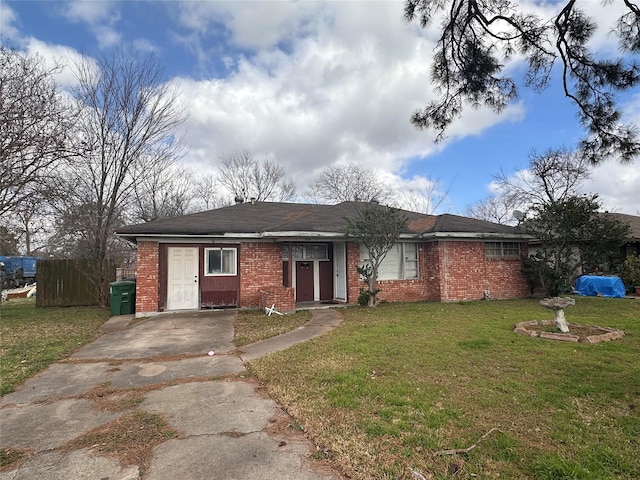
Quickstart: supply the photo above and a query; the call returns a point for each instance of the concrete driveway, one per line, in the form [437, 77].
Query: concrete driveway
[226, 427]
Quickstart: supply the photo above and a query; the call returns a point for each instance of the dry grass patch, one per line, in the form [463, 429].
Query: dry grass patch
[110, 399]
[12, 458]
[130, 438]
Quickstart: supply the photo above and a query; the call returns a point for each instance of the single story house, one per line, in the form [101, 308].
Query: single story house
[633, 247]
[257, 254]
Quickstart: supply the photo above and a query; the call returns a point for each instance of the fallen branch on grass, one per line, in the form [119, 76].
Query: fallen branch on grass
[468, 449]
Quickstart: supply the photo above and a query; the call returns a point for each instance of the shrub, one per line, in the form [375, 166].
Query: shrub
[631, 271]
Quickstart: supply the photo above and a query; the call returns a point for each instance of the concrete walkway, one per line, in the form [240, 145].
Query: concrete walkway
[321, 322]
[226, 427]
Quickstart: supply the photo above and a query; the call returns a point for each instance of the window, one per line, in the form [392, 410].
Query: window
[400, 263]
[306, 251]
[502, 249]
[220, 261]
[410, 264]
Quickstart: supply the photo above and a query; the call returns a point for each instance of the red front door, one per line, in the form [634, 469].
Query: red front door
[304, 281]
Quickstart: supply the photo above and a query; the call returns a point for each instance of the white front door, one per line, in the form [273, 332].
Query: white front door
[340, 271]
[182, 278]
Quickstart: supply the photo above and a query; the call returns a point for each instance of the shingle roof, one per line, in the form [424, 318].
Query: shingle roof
[263, 217]
[632, 220]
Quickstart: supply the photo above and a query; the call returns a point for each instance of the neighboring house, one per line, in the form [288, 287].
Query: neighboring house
[633, 247]
[256, 254]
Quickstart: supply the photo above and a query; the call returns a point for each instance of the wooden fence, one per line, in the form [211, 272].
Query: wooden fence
[66, 283]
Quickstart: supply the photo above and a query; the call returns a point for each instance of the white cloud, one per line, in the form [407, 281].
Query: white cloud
[617, 186]
[100, 17]
[7, 19]
[56, 55]
[91, 12]
[343, 92]
[317, 83]
[144, 45]
[251, 24]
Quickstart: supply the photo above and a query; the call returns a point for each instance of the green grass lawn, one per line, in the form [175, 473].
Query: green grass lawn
[31, 338]
[383, 394]
[254, 325]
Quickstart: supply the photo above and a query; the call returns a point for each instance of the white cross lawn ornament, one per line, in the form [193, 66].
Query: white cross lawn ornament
[271, 310]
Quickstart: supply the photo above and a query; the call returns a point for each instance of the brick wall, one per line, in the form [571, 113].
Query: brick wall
[147, 278]
[392, 290]
[353, 279]
[260, 267]
[284, 298]
[449, 271]
[430, 270]
[465, 273]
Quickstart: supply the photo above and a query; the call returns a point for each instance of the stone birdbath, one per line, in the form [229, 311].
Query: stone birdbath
[558, 304]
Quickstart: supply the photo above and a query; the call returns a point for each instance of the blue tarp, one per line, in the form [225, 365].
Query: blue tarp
[591, 286]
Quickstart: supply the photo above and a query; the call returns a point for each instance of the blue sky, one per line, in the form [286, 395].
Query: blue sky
[314, 83]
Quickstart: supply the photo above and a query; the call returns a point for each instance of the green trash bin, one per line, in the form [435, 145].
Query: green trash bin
[122, 297]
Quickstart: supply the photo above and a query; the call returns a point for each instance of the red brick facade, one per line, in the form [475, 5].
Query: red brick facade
[449, 270]
[460, 270]
[260, 267]
[147, 283]
[283, 298]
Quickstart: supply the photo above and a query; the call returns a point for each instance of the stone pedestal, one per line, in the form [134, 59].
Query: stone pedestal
[558, 304]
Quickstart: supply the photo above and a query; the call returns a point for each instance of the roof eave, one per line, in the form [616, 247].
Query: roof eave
[477, 235]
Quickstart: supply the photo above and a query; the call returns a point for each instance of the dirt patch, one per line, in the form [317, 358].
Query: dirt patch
[589, 334]
[12, 458]
[130, 438]
[107, 398]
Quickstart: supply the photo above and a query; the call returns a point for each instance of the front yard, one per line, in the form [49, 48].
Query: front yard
[388, 391]
[31, 338]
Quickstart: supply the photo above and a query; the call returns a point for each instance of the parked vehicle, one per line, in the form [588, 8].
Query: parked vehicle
[18, 271]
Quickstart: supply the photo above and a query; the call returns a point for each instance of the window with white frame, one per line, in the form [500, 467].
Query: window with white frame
[502, 249]
[400, 263]
[220, 261]
[306, 251]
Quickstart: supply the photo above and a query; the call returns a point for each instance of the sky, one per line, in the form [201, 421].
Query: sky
[315, 83]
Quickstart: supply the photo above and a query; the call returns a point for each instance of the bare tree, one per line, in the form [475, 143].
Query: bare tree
[551, 177]
[8, 242]
[127, 129]
[206, 191]
[34, 127]
[33, 223]
[163, 192]
[262, 179]
[479, 38]
[347, 183]
[497, 209]
[422, 196]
